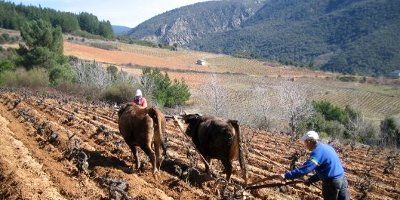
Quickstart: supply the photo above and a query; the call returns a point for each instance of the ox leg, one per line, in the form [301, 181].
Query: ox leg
[164, 147]
[228, 168]
[150, 153]
[157, 147]
[136, 156]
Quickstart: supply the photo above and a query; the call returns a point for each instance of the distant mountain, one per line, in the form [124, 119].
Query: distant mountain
[350, 36]
[120, 30]
[195, 21]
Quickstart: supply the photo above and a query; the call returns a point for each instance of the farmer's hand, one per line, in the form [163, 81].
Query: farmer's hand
[280, 177]
[307, 182]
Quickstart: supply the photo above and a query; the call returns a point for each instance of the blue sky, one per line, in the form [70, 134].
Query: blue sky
[120, 12]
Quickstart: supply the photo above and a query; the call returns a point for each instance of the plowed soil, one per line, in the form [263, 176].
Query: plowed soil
[40, 133]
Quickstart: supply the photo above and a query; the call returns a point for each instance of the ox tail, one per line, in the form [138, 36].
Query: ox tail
[238, 141]
[158, 118]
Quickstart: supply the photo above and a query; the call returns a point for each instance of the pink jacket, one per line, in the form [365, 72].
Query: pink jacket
[141, 101]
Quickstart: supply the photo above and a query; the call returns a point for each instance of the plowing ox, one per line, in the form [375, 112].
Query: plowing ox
[143, 127]
[217, 138]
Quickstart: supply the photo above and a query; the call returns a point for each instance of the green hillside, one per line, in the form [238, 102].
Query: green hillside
[343, 36]
[348, 36]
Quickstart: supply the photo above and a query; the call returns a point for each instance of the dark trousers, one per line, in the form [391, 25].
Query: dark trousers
[335, 189]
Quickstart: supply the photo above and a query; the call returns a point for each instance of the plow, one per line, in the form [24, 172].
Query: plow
[264, 184]
[231, 190]
[239, 191]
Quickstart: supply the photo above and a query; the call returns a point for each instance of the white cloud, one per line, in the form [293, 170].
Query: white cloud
[119, 12]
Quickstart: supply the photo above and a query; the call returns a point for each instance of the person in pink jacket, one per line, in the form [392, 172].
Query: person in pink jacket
[139, 99]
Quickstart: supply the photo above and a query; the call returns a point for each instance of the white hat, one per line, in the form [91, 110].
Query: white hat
[310, 135]
[138, 92]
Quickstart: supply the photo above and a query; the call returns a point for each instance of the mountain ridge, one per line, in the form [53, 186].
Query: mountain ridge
[188, 23]
[333, 35]
[120, 30]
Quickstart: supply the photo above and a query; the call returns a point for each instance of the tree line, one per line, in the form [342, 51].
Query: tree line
[13, 16]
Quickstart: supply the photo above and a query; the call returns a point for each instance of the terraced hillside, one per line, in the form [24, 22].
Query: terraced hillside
[59, 147]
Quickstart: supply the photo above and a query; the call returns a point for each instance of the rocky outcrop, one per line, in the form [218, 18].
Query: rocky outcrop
[192, 22]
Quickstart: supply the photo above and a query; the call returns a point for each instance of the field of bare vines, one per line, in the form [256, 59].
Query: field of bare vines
[58, 147]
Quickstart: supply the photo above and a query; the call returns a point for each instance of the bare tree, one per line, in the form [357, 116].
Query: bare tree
[263, 107]
[294, 105]
[92, 74]
[216, 97]
[148, 86]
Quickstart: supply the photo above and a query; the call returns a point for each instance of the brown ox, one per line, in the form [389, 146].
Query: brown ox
[217, 138]
[143, 127]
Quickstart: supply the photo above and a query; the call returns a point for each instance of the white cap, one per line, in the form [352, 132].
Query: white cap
[310, 135]
[138, 92]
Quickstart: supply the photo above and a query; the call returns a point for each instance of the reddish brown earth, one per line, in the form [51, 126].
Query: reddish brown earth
[124, 57]
[182, 64]
[35, 167]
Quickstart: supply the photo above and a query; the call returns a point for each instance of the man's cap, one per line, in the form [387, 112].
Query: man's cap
[310, 135]
[138, 92]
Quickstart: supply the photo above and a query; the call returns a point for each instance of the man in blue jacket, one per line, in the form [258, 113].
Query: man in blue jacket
[326, 163]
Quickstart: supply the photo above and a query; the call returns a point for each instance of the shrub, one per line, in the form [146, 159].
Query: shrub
[363, 79]
[85, 34]
[70, 88]
[6, 37]
[35, 78]
[334, 129]
[73, 58]
[390, 131]
[178, 93]
[61, 73]
[347, 78]
[118, 92]
[166, 92]
[341, 123]
[6, 65]
[367, 133]
[323, 135]
[317, 122]
[113, 70]
[103, 45]
[331, 112]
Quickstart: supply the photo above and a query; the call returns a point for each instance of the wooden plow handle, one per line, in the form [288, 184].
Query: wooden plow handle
[269, 185]
[181, 128]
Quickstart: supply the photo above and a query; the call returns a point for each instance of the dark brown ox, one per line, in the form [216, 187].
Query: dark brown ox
[217, 138]
[143, 127]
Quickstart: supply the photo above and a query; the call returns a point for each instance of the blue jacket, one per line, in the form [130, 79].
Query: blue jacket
[324, 161]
